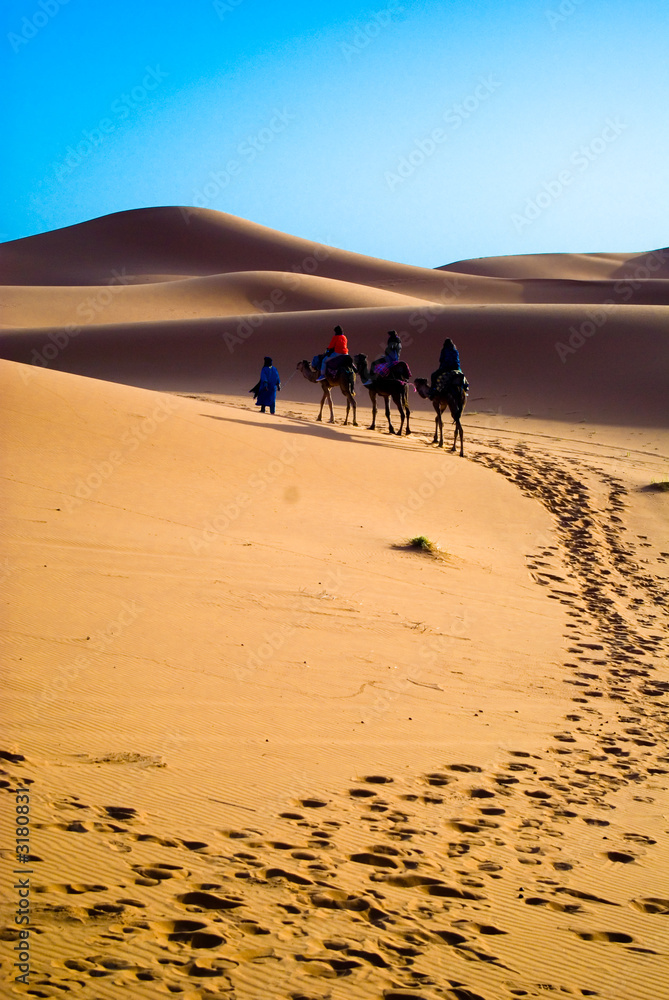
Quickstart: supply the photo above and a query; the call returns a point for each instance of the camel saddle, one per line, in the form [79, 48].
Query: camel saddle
[337, 362]
[450, 380]
[383, 368]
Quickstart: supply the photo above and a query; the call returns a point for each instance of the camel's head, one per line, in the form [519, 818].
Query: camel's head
[422, 387]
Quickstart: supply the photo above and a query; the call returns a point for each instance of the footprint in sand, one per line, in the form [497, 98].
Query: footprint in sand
[208, 901]
[619, 857]
[71, 890]
[376, 860]
[652, 904]
[122, 813]
[150, 838]
[272, 873]
[152, 874]
[612, 937]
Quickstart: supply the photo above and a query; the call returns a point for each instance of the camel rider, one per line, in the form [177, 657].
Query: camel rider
[381, 368]
[338, 345]
[449, 361]
[393, 348]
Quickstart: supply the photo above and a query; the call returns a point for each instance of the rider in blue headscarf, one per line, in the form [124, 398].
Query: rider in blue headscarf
[449, 361]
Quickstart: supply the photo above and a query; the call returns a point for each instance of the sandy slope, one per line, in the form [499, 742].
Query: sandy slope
[272, 752]
[518, 359]
[570, 266]
[246, 292]
[581, 336]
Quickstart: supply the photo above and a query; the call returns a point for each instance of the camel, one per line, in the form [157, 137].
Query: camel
[445, 395]
[388, 387]
[345, 379]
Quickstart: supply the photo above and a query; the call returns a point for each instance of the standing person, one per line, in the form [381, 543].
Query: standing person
[268, 386]
[337, 345]
[449, 361]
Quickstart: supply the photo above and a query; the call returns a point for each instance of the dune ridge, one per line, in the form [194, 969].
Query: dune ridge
[570, 267]
[110, 298]
[273, 746]
[407, 777]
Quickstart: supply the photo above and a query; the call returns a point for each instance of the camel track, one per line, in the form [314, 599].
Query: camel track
[543, 874]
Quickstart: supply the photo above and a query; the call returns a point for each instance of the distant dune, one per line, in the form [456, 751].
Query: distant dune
[192, 299]
[569, 266]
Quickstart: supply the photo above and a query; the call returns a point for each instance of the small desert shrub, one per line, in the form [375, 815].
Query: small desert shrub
[423, 544]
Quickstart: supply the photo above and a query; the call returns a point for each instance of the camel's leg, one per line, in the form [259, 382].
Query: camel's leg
[436, 423]
[456, 413]
[458, 430]
[400, 407]
[329, 394]
[355, 412]
[372, 397]
[320, 412]
[440, 418]
[391, 429]
[348, 409]
[408, 411]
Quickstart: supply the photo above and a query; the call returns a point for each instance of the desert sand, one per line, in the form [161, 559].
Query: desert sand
[271, 750]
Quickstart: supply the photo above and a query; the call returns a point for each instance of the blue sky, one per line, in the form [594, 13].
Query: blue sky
[423, 132]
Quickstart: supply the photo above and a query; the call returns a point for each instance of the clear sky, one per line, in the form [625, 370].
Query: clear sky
[423, 132]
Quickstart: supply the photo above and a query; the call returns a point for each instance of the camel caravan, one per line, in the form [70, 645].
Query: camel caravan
[390, 378]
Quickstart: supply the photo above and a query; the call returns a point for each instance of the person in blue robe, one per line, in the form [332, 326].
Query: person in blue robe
[268, 386]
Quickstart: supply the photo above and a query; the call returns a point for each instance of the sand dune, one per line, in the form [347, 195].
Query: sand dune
[519, 359]
[242, 293]
[161, 244]
[275, 751]
[272, 750]
[572, 267]
[181, 242]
